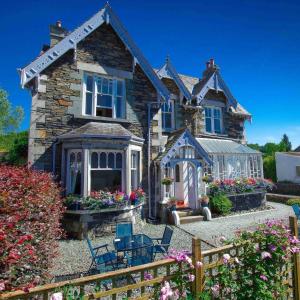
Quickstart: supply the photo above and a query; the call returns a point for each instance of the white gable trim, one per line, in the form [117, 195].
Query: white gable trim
[168, 71]
[70, 42]
[216, 82]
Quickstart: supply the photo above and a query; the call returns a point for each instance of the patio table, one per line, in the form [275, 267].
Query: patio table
[137, 248]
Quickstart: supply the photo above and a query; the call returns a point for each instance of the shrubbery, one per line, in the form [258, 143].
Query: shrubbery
[220, 204]
[293, 201]
[30, 213]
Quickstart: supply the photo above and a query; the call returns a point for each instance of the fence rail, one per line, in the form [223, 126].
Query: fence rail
[130, 283]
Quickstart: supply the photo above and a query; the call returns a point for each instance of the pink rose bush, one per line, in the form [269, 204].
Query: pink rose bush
[257, 272]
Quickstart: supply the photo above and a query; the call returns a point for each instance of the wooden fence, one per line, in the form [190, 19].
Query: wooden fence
[120, 284]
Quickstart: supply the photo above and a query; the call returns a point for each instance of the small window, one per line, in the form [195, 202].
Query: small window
[111, 160]
[109, 95]
[213, 120]
[94, 162]
[168, 116]
[74, 172]
[103, 162]
[135, 169]
[118, 161]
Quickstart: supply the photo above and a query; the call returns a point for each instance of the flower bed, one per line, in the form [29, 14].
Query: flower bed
[239, 186]
[103, 199]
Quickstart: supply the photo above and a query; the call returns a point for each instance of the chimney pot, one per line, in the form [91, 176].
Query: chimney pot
[58, 23]
[212, 62]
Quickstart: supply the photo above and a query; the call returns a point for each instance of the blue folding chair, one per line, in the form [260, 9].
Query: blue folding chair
[163, 244]
[123, 229]
[104, 262]
[296, 209]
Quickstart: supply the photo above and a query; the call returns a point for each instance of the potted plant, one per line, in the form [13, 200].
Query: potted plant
[167, 181]
[73, 202]
[207, 179]
[204, 201]
[171, 205]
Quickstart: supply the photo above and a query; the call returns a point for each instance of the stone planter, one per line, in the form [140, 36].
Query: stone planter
[79, 223]
[248, 201]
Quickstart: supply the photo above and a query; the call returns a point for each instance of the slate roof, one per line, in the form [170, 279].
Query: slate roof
[101, 130]
[224, 146]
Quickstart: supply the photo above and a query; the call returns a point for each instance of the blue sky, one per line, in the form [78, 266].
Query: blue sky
[256, 43]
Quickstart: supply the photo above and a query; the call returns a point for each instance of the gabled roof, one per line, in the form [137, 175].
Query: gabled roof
[214, 82]
[168, 71]
[105, 15]
[178, 139]
[101, 130]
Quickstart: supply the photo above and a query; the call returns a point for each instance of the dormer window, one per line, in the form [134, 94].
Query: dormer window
[213, 120]
[104, 96]
[167, 113]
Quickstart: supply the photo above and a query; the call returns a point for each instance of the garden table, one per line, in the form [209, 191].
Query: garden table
[137, 248]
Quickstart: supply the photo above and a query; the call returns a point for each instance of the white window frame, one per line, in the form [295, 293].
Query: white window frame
[212, 108]
[135, 168]
[95, 92]
[107, 151]
[163, 113]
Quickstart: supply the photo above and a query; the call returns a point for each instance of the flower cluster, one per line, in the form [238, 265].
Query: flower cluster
[239, 186]
[259, 266]
[105, 199]
[30, 213]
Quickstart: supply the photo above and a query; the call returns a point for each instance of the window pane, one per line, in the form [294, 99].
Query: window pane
[72, 159]
[208, 124]
[207, 112]
[104, 112]
[89, 83]
[79, 157]
[217, 125]
[168, 120]
[89, 103]
[119, 161]
[133, 159]
[104, 100]
[119, 88]
[119, 107]
[134, 182]
[103, 160]
[104, 86]
[94, 160]
[217, 113]
[106, 180]
[111, 160]
[177, 173]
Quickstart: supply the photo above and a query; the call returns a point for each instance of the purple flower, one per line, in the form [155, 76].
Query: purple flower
[272, 248]
[148, 276]
[263, 277]
[295, 249]
[265, 255]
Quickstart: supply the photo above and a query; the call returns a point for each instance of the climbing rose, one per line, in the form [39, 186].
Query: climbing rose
[226, 258]
[191, 277]
[263, 277]
[265, 255]
[166, 291]
[56, 296]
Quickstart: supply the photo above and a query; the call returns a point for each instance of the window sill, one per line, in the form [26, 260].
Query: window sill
[167, 130]
[94, 118]
[215, 134]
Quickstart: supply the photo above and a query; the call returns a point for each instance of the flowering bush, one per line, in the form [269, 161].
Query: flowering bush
[104, 199]
[239, 186]
[259, 270]
[179, 286]
[30, 212]
[167, 181]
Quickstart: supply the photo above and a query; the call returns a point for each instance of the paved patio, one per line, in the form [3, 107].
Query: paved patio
[227, 226]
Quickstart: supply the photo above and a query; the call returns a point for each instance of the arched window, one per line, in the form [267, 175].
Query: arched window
[111, 160]
[94, 160]
[118, 161]
[103, 162]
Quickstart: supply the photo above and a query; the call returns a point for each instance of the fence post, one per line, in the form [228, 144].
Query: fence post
[199, 272]
[296, 260]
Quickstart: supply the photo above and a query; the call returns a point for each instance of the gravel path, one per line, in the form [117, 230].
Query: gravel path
[74, 255]
[227, 226]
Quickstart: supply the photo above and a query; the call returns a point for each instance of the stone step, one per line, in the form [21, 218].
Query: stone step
[191, 219]
[184, 212]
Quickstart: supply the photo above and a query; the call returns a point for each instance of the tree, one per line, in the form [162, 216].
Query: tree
[10, 117]
[285, 144]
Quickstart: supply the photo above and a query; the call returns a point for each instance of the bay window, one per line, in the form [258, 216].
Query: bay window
[74, 172]
[213, 120]
[104, 96]
[167, 113]
[135, 169]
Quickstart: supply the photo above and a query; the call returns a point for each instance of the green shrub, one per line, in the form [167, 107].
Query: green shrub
[270, 167]
[220, 204]
[293, 201]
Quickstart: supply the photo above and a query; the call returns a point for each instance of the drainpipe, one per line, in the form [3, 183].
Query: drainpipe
[54, 156]
[149, 105]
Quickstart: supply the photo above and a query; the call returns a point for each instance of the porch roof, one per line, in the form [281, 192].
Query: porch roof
[219, 146]
[101, 130]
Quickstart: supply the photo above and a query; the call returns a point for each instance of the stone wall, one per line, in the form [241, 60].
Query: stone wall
[57, 101]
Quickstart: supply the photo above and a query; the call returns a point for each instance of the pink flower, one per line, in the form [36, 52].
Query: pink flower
[56, 296]
[265, 255]
[226, 258]
[148, 276]
[191, 277]
[263, 277]
[2, 286]
[199, 264]
[295, 250]
[166, 291]
[222, 239]
[215, 290]
[294, 240]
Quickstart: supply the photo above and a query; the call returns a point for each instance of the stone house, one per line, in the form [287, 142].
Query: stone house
[102, 117]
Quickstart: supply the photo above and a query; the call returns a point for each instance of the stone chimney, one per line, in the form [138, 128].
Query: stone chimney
[57, 33]
[210, 67]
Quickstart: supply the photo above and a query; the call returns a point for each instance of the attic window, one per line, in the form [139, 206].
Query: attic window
[104, 96]
[213, 120]
[167, 114]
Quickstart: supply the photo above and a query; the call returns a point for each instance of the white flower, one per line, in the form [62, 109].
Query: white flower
[56, 296]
